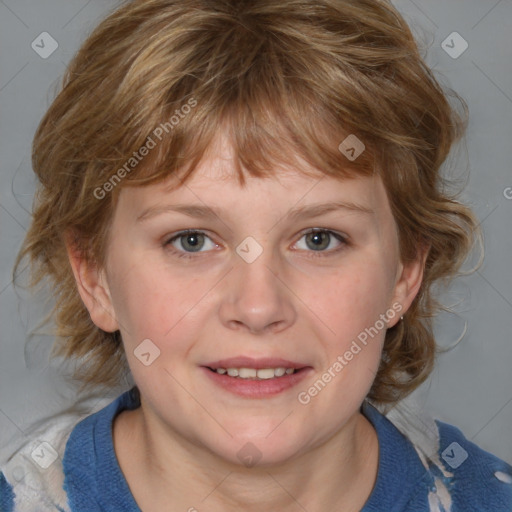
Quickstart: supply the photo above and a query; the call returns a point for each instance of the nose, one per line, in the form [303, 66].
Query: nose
[255, 298]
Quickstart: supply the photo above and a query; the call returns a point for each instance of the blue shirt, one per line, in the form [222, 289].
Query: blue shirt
[460, 477]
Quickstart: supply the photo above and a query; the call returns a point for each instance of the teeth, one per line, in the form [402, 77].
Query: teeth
[246, 373]
[252, 373]
[268, 373]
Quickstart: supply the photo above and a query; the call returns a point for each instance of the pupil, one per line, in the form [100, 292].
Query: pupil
[193, 241]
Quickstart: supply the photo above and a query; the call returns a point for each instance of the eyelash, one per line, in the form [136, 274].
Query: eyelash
[314, 254]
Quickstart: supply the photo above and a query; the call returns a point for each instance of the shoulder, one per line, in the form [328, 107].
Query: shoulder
[461, 476]
[31, 475]
[475, 478]
[93, 478]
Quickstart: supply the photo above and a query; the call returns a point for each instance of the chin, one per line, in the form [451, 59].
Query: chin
[260, 451]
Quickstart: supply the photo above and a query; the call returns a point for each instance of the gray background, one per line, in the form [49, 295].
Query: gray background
[472, 384]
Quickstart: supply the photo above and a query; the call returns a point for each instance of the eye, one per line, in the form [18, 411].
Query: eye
[318, 240]
[322, 241]
[190, 242]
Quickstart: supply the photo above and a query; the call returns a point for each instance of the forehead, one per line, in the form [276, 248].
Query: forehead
[215, 182]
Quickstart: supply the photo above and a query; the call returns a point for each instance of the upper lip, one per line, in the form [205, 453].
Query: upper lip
[258, 364]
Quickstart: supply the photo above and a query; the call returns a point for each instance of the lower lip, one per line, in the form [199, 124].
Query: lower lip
[257, 388]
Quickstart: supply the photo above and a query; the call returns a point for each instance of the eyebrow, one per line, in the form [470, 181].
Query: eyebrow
[208, 212]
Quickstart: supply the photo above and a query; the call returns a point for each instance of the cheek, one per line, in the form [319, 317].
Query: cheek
[352, 298]
[349, 306]
[145, 301]
[152, 303]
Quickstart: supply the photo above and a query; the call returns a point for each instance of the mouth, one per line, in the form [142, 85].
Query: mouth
[256, 378]
[255, 374]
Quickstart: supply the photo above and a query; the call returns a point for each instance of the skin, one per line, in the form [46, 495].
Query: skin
[178, 451]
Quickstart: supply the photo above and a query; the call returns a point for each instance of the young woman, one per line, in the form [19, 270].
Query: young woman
[240, 204]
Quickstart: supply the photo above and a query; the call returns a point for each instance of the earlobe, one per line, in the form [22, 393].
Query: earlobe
[93, 289]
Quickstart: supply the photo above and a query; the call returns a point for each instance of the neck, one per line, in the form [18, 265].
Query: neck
[166, 471]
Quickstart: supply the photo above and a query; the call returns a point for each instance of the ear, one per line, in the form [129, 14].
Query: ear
[409, 279]
[93, 289]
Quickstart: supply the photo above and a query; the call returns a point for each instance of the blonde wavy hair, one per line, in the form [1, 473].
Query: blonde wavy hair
[285, 79]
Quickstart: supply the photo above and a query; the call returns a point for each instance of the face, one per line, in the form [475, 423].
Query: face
[287, 274]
